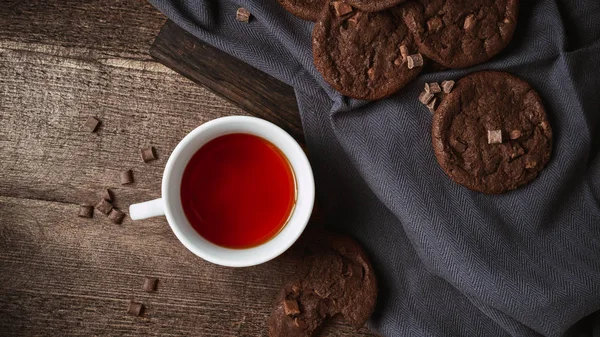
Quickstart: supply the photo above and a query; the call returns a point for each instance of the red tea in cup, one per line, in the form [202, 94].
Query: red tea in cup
[238, 191]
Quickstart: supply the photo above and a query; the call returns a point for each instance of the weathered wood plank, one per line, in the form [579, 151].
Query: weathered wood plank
[256, 92]
[64, 275]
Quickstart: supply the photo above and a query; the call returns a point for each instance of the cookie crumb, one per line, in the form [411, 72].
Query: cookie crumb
[415, 61]
[354, 18]
[530, 163]
[290, 307]
[432, 105]
[434, 24]
[433, 87]
[515, 134]
[243, 15]
[425, 97]
[447, 86]
[398, 61]
[494, 136]
[341, 8]
[469, 22]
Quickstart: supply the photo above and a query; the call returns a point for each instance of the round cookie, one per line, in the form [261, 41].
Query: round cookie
[491, 101]
[374, 5]
[460, 34]
[358, 53]
[334, 278]
[304, 9]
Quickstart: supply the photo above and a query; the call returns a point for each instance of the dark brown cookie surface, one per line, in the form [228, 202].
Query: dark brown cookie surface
[374, 5]
[304, 9]
[358, 53]
[491, 133]
[335, 278]
[460, 34]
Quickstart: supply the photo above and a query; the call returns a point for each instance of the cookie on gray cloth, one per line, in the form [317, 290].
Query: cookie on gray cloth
[460, 34]
[374, 5]
[335, 278]
[358, 53]
[304, 9]
[491, 133]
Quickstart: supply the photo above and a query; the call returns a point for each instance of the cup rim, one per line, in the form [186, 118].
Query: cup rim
[297, 221]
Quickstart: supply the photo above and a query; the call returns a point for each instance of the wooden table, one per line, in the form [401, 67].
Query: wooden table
[60, 275]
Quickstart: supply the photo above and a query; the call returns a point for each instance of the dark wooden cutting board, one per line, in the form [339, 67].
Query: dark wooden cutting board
[254, 91]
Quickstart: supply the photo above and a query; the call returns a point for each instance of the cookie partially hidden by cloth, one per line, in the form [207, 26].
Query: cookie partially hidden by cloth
[374, 5]
[304, 9]
[459, 34]
[335, 278]
[491, 133]
[359, 54]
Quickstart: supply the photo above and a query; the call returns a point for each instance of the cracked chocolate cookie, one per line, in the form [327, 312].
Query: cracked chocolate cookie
[304, 9]
[374, 5]
[460, 34]
[491, 133]
[359, 53]
[335, 278]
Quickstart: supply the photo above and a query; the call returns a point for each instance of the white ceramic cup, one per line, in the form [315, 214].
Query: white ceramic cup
[170, 203]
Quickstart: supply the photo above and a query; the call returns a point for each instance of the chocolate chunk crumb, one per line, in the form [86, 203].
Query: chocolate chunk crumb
[434, 24]
[116, 216]
[425, 97]
[433, 87]
[92, 124]
[530, 163]
[104, 207]
[469, 22]
[106, 195]
[404, 52]
[135, 309]
[432, 105]
[299, 322]
[148, 154]
[290, 307]
[415, 61]
[341, 8]
[515, 134]
[150, 284]
[447, 86]
[494, 136]
[86, 211]
[126, 177]
[243, 15]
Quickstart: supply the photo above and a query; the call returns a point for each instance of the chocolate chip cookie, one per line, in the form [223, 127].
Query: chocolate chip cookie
[374, 5]
[359, 53]
[460, 34]
[304, 9]
[335, 278]
[491, 133]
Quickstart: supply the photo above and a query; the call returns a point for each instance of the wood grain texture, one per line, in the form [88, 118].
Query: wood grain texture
[253, 90]
[60, 62]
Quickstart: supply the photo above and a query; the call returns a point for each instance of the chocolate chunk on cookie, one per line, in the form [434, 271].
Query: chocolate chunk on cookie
[359, 53]
[374, 5]
[491, 133]
[335, 278]
[460, 34]
[304, 9]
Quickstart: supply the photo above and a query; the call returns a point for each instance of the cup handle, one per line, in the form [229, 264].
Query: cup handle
[147, 209]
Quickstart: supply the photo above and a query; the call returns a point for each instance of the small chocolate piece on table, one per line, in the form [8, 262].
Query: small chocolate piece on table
[433, 87]
[414, 61]
[135, 308]
[243, 15]
[290, 307]
[432, 105]
[150, 284]
[106, 195]
[104, 206]
[515, 134]
[494, 136]
[447, 86]
[126, 177]
[116, 216]
[92, 124]
[86, 211]
[425, 97]
[148, 154]
[341, 8]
